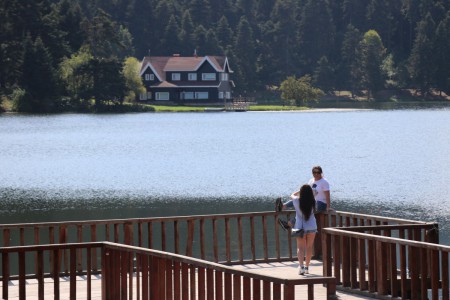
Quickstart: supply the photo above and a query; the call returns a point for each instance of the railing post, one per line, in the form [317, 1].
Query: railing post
[320, 218]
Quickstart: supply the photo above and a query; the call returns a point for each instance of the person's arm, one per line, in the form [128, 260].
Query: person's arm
[288, 204]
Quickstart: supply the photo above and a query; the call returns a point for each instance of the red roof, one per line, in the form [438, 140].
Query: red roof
[162, 64]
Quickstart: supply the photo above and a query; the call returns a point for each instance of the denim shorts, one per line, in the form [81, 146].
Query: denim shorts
[321, 206]
[311, 231]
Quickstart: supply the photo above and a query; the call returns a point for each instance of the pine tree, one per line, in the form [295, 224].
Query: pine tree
[324, 75]
[38, 78]
[442, 55]
[171, 42]
[372, 54]
[316, 33]
[186, 34]
[421, 61]
[224, 33]
[245, 53]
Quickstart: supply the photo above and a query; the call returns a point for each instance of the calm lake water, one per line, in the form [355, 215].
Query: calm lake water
[75, 166]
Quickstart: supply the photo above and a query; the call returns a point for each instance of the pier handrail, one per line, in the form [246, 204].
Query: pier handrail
[388, 260]
[233, 238]
[130, 272]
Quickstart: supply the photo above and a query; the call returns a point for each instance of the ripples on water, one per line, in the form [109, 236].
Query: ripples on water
[70, 167]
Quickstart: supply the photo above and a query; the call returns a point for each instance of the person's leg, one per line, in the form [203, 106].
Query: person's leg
[309, 237]
[301, 244]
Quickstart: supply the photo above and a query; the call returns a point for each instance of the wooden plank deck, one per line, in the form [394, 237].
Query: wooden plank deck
[287, 270]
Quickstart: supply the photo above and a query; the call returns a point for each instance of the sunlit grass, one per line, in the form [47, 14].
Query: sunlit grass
[275, 108]
[163, 108]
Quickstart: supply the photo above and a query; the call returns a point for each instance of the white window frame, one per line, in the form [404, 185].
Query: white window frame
[163, 96]
[224, 77]
[143, 96]
[149, 77]
[149, 95]
[209, 76]
[220, 95]
[176, 76]
[228, 95]
[202, 95]
[192, 76]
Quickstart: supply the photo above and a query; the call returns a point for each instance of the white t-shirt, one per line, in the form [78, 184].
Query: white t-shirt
[319, 188]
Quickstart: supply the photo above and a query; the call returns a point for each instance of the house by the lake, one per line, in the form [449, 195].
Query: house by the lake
[186, 80]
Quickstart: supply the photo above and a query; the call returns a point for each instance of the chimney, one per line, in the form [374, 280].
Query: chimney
[195, 52]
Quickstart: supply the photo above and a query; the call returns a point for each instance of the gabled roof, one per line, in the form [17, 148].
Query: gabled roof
[162, 64]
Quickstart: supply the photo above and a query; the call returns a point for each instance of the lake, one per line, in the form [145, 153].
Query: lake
[81, 166]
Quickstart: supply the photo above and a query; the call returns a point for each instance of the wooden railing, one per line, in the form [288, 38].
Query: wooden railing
[396, 260]
[129, 272]
[226, 238]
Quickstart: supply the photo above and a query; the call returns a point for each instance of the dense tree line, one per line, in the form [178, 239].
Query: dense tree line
[63, 54]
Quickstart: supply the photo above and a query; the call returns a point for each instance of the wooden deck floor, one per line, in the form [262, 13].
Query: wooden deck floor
[284, 270]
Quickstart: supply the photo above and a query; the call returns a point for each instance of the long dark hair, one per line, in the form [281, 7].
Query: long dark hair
[307, 201]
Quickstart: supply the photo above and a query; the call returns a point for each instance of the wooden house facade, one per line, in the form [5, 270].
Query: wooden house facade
[186, 80]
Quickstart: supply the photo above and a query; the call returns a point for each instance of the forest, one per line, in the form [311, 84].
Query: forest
[64, 55]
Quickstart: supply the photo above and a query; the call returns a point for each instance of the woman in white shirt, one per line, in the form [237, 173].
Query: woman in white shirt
[321, 189]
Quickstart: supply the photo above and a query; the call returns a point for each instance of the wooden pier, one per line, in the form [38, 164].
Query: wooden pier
[227, 256]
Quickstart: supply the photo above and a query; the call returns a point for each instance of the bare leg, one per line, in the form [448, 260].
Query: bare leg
[309, 237]
[301, 245]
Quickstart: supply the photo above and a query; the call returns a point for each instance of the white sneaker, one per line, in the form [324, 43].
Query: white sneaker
[306, 270]
[301, 270]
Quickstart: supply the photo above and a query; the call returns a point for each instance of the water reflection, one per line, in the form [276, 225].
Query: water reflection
[72, 167]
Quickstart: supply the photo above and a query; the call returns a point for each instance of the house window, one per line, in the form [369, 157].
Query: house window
[228, 95]
[224, 77]
[201, 95]
[143, 96]
[192, 76]
[175, 76]
[162, 96]
[188, 95]
[149, 77]
[149, 95]
[220, 95]
[209, 76]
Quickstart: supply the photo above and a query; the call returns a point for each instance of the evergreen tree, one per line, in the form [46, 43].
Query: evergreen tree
[324, 75]
[224, 33]
[140, 23]
[372, 54]
[39, 79]
[211, 46]
[282, 34]
[245, 53]
[442, 55]
[186, 35]
[354, 12]
[171, 42]
[316, 33]
[421, 61]
[349, 70]
[200, 11]
[200, 40]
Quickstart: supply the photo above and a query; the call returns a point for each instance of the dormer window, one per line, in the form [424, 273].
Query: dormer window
[149, 77]
[224, 77]
[176, 76]
[209, 76]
